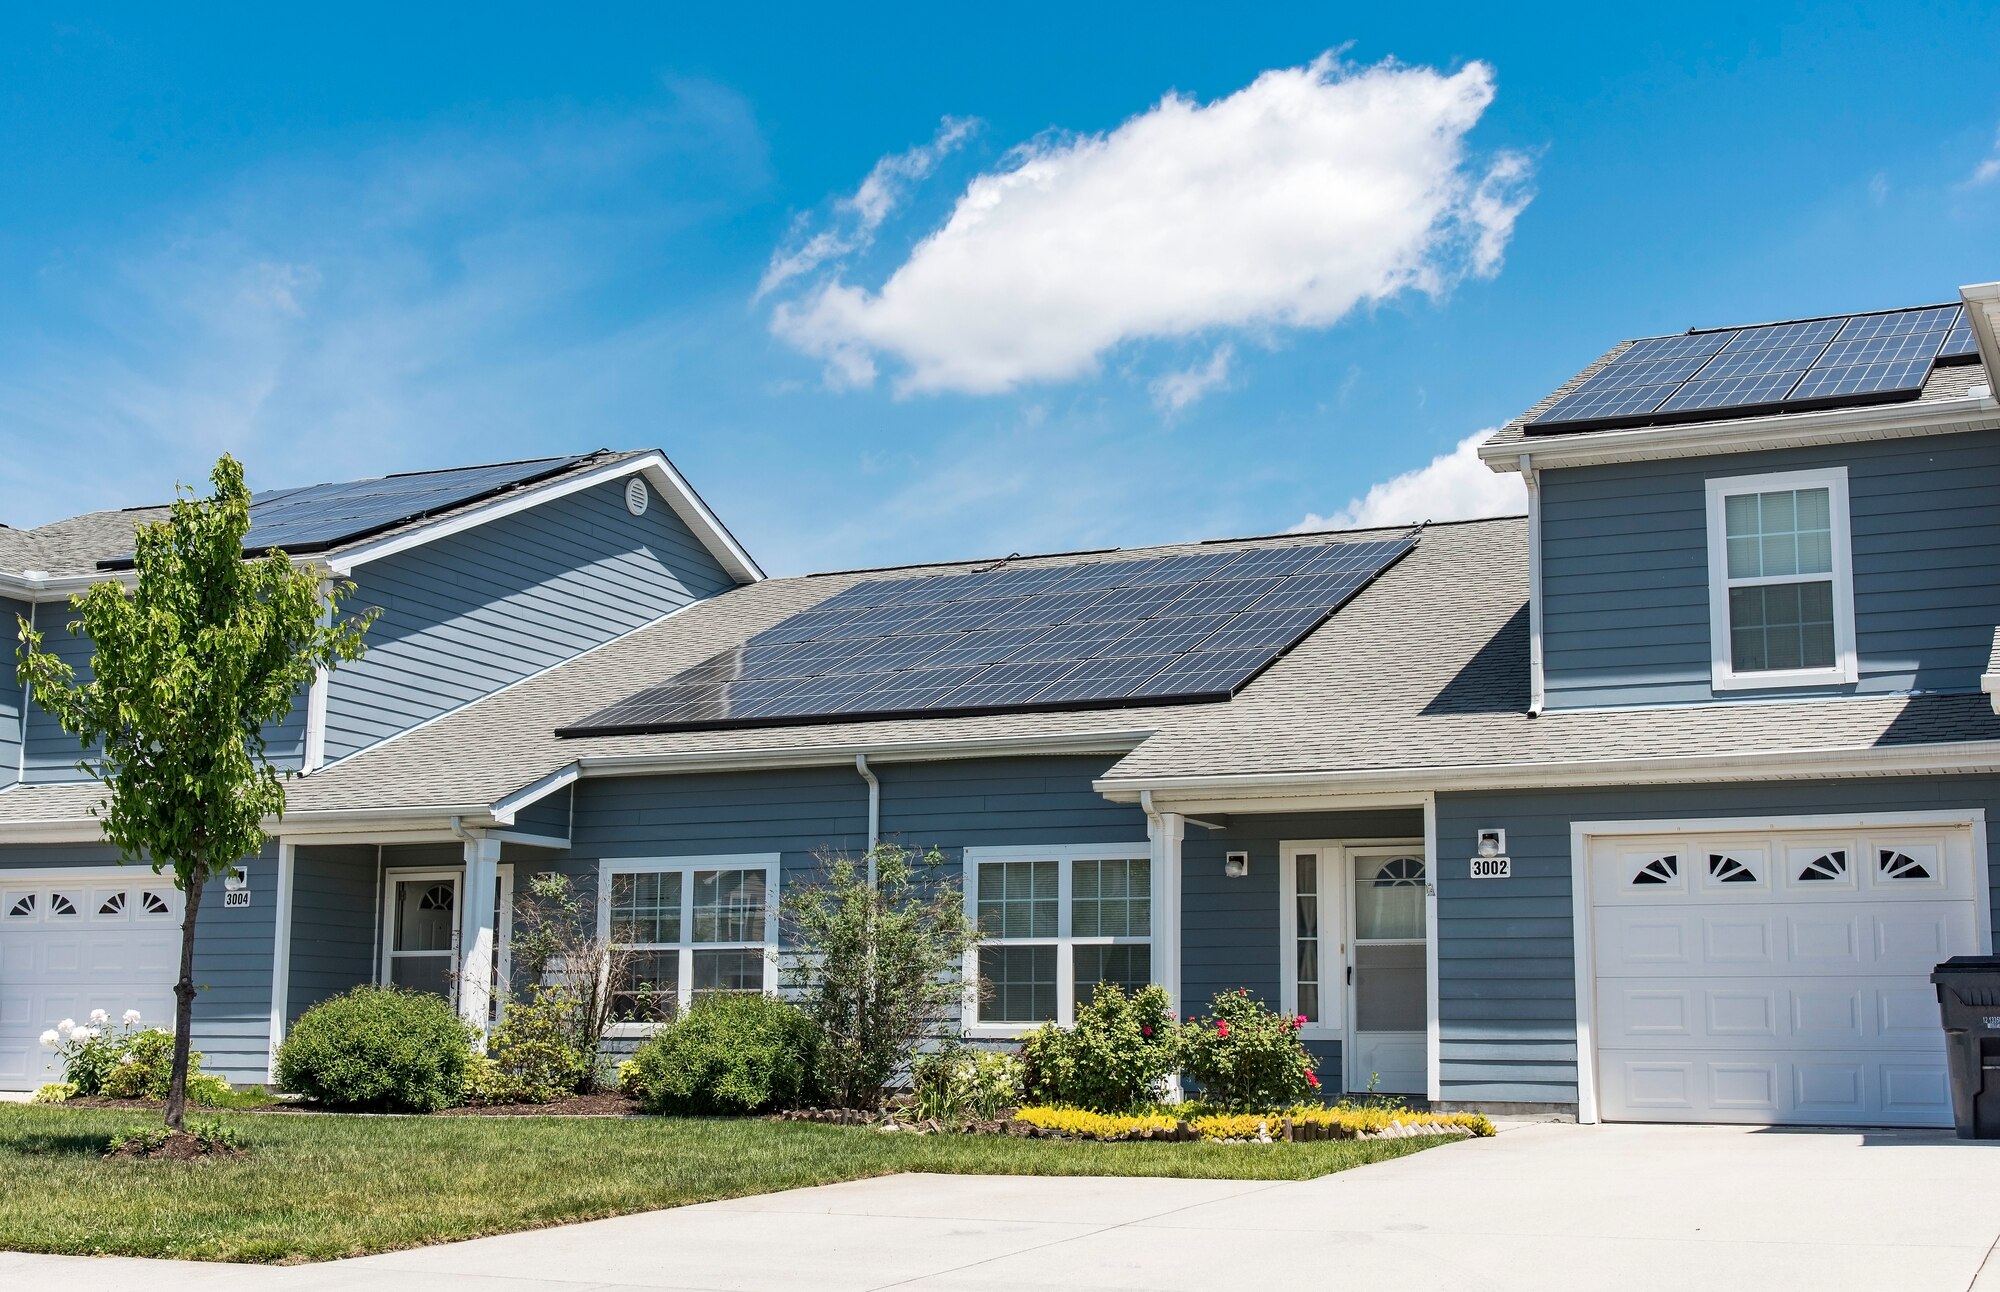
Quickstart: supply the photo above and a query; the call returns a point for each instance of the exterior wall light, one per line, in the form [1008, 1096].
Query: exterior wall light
[1492, 843]
[1235, 865]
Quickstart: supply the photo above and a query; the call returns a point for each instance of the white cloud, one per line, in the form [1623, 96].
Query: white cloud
[1176, 390]
[1987, 170]
[1311, 191]
[858, 218]
[1453, 486]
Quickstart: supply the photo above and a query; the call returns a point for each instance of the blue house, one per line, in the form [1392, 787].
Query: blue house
[1656, 804]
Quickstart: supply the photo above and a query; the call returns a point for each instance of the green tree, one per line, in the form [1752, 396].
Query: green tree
[879, 967]
[187, 668]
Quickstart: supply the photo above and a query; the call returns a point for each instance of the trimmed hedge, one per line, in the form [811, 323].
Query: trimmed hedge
[727, 1055]
[379, 1049]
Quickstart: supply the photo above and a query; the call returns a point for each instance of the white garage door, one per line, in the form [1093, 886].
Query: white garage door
[1777, 977]
[68, 946]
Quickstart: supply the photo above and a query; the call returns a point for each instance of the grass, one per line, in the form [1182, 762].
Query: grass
[318, 1187]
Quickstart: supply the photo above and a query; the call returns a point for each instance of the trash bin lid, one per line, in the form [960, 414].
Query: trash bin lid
[1968, 965]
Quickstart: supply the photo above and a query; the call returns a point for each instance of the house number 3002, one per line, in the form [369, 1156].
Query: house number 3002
[1492, 867]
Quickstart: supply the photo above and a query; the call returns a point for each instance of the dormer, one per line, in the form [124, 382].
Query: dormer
[1805, 508]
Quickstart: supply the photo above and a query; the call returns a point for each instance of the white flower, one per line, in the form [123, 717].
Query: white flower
[67, 1026]
[132, 1017]
[127, 1058]
[98, 1018]
[83, 1034]
[51, 1038]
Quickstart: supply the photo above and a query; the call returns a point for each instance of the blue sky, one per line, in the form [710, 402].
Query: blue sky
[1069, 311]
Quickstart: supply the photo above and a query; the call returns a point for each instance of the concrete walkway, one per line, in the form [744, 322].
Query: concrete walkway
[1543, 1207]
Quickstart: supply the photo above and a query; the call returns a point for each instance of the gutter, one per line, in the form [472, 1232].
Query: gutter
[1532, 478]
[1834, 425]
[1893, 760]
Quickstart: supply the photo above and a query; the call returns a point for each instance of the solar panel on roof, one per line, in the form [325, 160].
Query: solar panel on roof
[1057, 636]
[313, 518]
[1775, 367]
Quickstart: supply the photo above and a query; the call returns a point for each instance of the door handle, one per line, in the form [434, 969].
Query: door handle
[1350, 975]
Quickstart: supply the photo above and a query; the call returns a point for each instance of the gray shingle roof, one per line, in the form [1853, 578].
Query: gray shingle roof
[76, 545]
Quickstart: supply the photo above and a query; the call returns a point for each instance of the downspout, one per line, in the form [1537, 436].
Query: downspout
[27, 706]
[1533, 479]
[874, 812]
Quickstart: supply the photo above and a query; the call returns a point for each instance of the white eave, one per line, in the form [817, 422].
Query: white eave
[1746, 434]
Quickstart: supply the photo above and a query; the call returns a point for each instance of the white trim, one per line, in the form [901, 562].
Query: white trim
[1065, 856]
[1724, 676]
[1350, 853]
[39, 874]
[770, 863]
[1982, 307]
[1433, 1034]
[1537, 689]
[658, 471]
[1284, 791]
[1330, 856]
[1584, 954]
[281, 952]
[1744, 435]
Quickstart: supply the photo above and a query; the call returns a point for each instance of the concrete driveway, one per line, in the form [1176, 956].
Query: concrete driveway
[1541, 1207]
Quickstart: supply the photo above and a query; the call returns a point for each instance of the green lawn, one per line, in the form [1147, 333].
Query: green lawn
[316, 1187]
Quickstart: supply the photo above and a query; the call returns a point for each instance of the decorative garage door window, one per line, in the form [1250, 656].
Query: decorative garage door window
[94, 906]
[1827, 868]
[688, 929]
[1056, 922]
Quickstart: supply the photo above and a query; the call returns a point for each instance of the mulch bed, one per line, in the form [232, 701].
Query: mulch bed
[595, 1105]
[178, 1147]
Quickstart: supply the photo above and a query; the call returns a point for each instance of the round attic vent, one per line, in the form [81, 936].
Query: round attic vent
[637, 495]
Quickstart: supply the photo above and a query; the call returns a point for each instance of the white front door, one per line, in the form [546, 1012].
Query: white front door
[106, 940]
[1385, 1047]
[1777, 976]
[420, 931]
[1353, 935]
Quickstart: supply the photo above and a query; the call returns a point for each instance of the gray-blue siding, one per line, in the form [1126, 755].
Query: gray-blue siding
[1506, 967]
[232, 957]
[465, 615]
[51, 754]
[11, 613]
[335, 900]
[1625, 569]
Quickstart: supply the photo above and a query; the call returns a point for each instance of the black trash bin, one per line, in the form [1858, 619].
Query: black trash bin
[1968, 989]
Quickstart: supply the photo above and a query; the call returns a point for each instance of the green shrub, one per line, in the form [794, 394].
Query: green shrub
[535, 1055]
[89, 1052]
[736, 1053]
[54, 1092]
[146, 1068]
[1245, 1056]
[955, 1082]
[378, 1048]
[1117, 1057]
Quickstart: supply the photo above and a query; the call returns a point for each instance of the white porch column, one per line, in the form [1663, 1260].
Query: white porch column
[1165, 830]
[477, 940]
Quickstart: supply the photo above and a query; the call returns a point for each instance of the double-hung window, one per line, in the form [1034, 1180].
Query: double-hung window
[1780, 586]
[687, 928]
[1055, 922]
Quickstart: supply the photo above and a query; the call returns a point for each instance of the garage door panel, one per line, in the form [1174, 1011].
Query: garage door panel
[1781, 978]
[104, 945]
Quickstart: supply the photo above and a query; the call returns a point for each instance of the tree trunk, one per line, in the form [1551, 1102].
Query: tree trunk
[184, 1003]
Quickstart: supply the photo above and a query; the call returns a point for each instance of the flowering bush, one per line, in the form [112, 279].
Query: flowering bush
[1118, 1055]
[1245, 1056]
[90, 1050]
[1193, 1120]
[955, 1082]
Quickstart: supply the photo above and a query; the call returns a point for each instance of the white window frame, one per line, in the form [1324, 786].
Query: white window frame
[1065, 856]
[1724, 676]
[768, 862]
[1332, 858]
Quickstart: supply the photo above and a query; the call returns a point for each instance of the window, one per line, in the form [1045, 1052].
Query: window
[1056, 922]
[1781, 601]
[689, 928]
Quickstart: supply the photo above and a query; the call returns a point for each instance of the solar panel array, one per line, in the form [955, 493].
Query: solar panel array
[316, 517]
[1778, 367]
[1153, 631]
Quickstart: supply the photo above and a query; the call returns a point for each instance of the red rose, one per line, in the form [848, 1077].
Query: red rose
[1312, 1081]
[1146, 1031]
[1300, 1021]
[1221, 1027]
